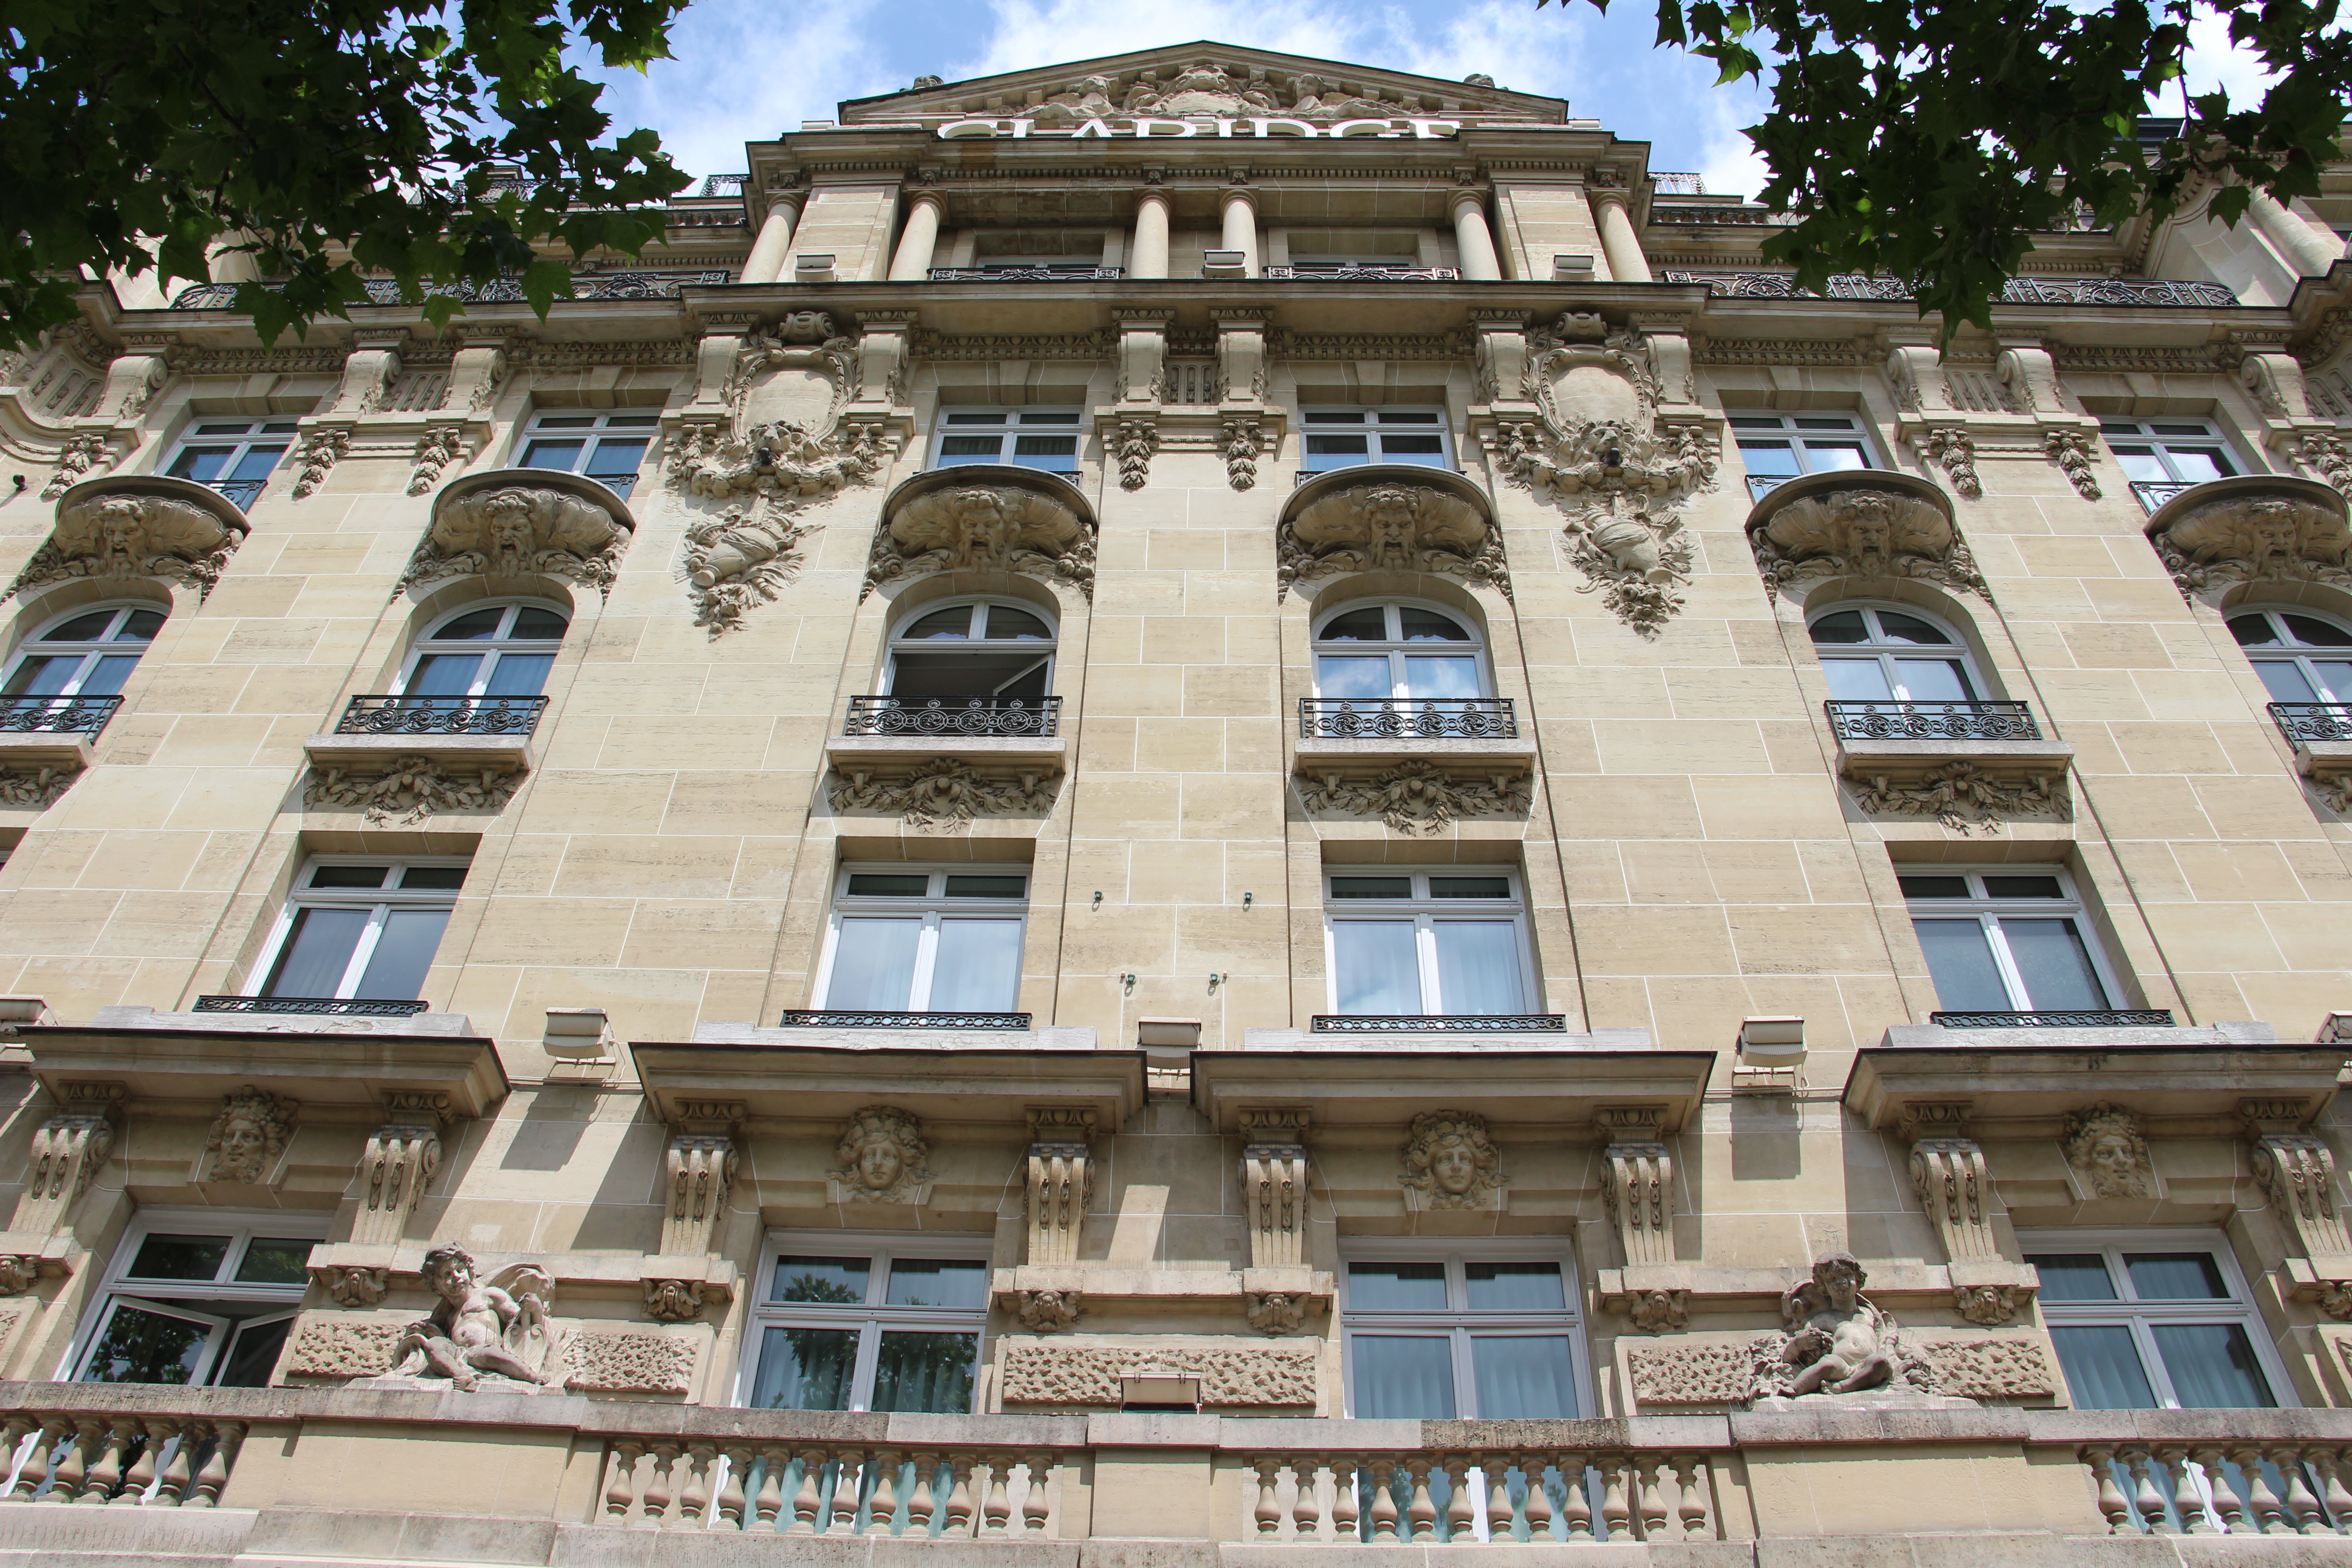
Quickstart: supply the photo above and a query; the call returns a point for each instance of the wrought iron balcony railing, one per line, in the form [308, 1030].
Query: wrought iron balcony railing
[2163, 291]
[2107, 1018]
[2301, 722]
[1037, 716]
[501, 292]
[1027, 274]
[1397, 718]
[1677, 183]
[441, 716]
[2154, 493]
[1932, 721]
[1711, 217]
[818, 1019]
[1399, 274]
[340, 1007]
[1438, 1023]
[57, 715]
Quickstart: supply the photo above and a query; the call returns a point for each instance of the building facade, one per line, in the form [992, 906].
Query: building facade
[1183, 809]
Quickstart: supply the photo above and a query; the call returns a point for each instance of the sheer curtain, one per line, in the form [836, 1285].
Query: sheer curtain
[2102, 1368]
[1377, 966]
[1403, 1376]
[2212, 1366]
[1478, 966]
[873, 963]
[2054, 965]
[1523, 1377]
[979, 966]
[1960, 961]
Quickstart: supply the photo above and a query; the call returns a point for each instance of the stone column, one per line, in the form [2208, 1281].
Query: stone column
[911, 262]
[1060, 1180]
[2311, 250]
[1240, 227]
[1641, 1182]
[1613, 211]
[1148, 257]
[1473, 238]
[766, 262]
[65, 1155]
[1274, 1187]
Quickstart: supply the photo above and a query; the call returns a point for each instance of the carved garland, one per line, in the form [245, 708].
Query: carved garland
[410, 790]
[1416, 796]
[1961, 796]
[944, 793]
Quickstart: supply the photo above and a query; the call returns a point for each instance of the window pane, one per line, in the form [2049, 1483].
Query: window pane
[255, 463]
[1428, 626]
[1377, 966]
[436, 879]
[518, 674]
[884, 885]
[1846, 627]
[318, 950]
[611, 458]
[970, 449]
[2283, 677]
[2254, 631]
[1402, 1377]
[1858, 681]
[979, 967]
[834, 1281]
[1523, 1377]
[2335, 675]
[1516, 1288]
[1774, 458]
[926, 1372]
[81, 628]
[1933, 887]
[2212, 1366]
[42, 677]
[1469, 887]
[1441, 677]
[267, 1262]
[2196, 465]
[1320, 446]
[180, 1258]
[1372, 887]
[805, 1369]
[1933, 680]
[2054, 964]
[2318, 633]
[1478, 967]
[954, 622]
[938, 1282]
[348, 875]
[1396, 1287]
[987, 887]
[2023, 887]
[1365, 679]
[472, 626]
[873, 966]
[2103, 1370]
[396, 970]
[252, 1353]
[1003, 623]
[140, 1345]
[445, 674]
[2176, 1277]
[1825, 457]
[2074, 1277]
[203, 464]
[532, 621]
[1893, 627]
[1427, 450]
[563, 455]
[107, 674]
[1369, 624]
[1960, 960]
[2141, 465]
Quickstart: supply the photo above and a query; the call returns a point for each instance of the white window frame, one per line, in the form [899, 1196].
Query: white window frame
[380, 901]
[561, 424]
[1989, 913]
[1886, 652]
[1408, 418]
[1049, 649]
[934, 907]
[1009, 424]
[491, 648]
[871, 1318]
[1827, 429]
[2162, 436]
[2293, 650]
[1396, 648]
[2141, 1316]
[237, 438]
[1426, 912]
[1458, 1321]
[242, 1227]
[89, 651]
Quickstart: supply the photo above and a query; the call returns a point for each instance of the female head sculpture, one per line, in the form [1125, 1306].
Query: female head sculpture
[880, 1156]
[247, 1136]
[1450, 1159]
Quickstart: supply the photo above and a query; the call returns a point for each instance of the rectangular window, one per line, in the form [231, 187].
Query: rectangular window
[1349, 437]
[198, 1301]
[2153, 1320]
[2162, 457]
[1427, 942]
[1045, 438]
[231, 455]
[925, 940]
[1481, 1332]
[361, 927]
[2008, 939]
[606, 447]
[1777, 447]
[851, 1323]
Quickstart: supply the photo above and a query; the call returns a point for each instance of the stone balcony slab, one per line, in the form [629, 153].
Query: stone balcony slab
[1513, 1082]
[1012, 753]
[371, 753]
[820, 1076]
[1319, 754]
[29, 751]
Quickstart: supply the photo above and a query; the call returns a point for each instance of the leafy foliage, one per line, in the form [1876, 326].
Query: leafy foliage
[1929, 142]
[326, 138]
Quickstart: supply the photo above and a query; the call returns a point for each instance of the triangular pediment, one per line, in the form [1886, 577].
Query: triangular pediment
[1206, 77]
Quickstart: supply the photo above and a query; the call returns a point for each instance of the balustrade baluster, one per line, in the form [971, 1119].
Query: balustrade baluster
[1537, 1511]
[958, 1508]
[1421, 1513]
[174, 1487]
[142, 1473]
[882, 1507]
[1576, 1503]
[213, 1479]
[2175, 1460]
[1265, 1515]
[66, 1482]
[730, 1492]
[2301, 1503]
[808, 1503]
[37, 1457]
[658, 1491]
[997, 1508]
[1461, 1514]
[1384, 1508]
[2225, 1498]
[1654, 1511]
[2146, 1497]
[2100, 1457]
[1346, 1505]
[694, 1505]
[2339, 1501]
[2260, 1501]
[1689, 1469]
[847, 1481]
[920, 1503]
[770, 1502]
[1035, 1503]
[1500, 1515]
[1614, 1514]
[1306, 1500]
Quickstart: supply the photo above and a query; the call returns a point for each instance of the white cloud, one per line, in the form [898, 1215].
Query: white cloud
[2213, 61]
[1025, 34]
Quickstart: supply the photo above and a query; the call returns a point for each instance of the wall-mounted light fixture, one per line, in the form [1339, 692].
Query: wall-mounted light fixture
[1248, 898]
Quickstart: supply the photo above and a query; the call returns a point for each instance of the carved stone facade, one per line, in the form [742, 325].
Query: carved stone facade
[518, 524]
[409, 790]
[1083, 1376]
[1416, 797]
[1641, 1187]
[1964, 795]
[2107, 1154]
[1274, 1187]
[248, 1136]
[1398, 521]
[123, 530]
[880, 1159]
[953, 525]
[2255, 530]
[737, 560]
[1874, 526]
[1060, 1182]
[1450, 1161]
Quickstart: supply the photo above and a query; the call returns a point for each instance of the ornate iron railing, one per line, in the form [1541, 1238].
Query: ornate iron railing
[502, 291]
[817, 1018]
[2108, 1018]
[1027, 274]
[2301, 722]
[1394, 718]
[57, 715]
[2017, 291]
[1697, 217]
[1438, 1023]
[939, 716]
[1376, 274]
[1677, 183]
[340, 1007]
[2153, 493]
[725, 185]
[441, 716]
[1932, 721]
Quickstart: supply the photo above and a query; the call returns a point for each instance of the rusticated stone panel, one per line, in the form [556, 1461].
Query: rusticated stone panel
[337, 1345]
[628, 1363]
[1690, 1374]
[2004, 1366]
[1070, 1375]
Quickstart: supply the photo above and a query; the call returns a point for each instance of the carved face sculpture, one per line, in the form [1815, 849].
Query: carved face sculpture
[879, 1165]
[2275, 531]
[247, 1136]
[880, 1156]
[1453, 1167]
[1869, 531]
[242, 1142]
[120, 525]
[450, 1272]
[1450, 1159]
[2105, 1146]
[1840, 1279]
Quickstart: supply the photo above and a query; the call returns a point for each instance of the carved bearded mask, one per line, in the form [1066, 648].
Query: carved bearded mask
[2114, 1167]
[243, 1144]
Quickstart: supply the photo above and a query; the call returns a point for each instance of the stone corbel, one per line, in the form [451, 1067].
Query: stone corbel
[1670, 362]
[1060, 1180]
[476, 372]
[884, 354]
[132, 526]
[395, 1167]
[1955, 1188]
[1129, 428]
[1274, 1185]
[1500, 345]
[67, 1152]
[696, 1174]
[1248, 426]
[132, 378]
[2296, 1169]
[2070, 437]
[1640, 1188]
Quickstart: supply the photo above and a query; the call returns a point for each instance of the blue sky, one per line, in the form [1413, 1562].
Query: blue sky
[748, 69]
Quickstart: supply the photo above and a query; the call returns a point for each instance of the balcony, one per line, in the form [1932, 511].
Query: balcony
[1398, 274]
[1951, 761]
[503, 290]
[2321, 735]
[2110, 1018]
[492, 732]
[53, 732]
[1370, 732]
[1026, 274]
[881, 730]
[1932, 721]
[2153, 292]
[1438, 1023]
[818, 1019]
[2152, 494]
[313, 1007]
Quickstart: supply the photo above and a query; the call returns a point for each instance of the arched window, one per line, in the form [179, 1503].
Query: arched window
[1874, 654]
[1372, 652]
[985, 652]
[88, 653]
[2300, 656]
[488, 650]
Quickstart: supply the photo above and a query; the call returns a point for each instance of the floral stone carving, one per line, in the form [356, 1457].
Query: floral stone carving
[2254, 528]
[126, 529]
[1842, 525]
[947, 521]
[410, 789]
[1394, 518]
[943, 793]
[2108, 1154]
[247, 1136]
[498, 1328]
[1961, 796]
[2070, 450]
[735, 561]
[1835, 1339]
[879, 1158]
[1056, 1373]
[35, 787]
[354, 1287]
[1417, 796]
[505, 524]
[1451, 1163]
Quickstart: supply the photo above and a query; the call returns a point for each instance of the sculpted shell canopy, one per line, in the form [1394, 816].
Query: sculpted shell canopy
[1388, 517]
[520, 523]
[1859, 524]
[988, 518]
[138, 526]
[2254, 527]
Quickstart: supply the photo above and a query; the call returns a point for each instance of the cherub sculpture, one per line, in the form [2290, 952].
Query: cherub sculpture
[1835, 1339]
[499, 1328]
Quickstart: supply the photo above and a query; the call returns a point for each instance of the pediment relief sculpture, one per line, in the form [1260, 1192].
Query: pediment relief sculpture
[741, 558]
[1847, 525]
[880, 1159]
[523, 523]
[781, 436]
[247, 1136]
[1204, 88]
[2259, 528]
[127, 528]
[956, 520]
[1450, 1161]
[1392, 519]
[2109, 1156]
